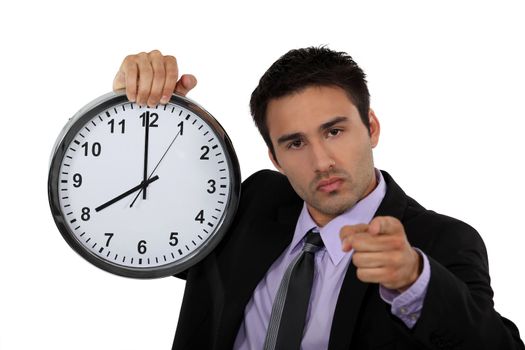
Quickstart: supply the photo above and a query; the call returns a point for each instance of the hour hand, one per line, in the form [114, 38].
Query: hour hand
[127, 193]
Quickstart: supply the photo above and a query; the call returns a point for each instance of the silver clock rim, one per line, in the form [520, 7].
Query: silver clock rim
[59, 149]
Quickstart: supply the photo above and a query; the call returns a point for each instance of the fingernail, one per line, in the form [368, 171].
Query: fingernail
[164, 99]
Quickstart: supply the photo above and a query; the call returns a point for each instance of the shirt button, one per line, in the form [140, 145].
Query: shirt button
[413, 317]
[403, 310]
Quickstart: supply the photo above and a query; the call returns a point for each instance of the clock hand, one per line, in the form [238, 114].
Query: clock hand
[156, 166]
[141, 185]
[146, 141]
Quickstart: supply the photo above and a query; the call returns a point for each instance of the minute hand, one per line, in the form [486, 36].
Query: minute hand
[127, 193]
[146, 142]
[156, 166]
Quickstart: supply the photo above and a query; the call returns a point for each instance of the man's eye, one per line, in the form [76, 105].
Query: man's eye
[334, 132]
[295, 144]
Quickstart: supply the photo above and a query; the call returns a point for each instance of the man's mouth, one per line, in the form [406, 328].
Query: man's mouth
[330, 185]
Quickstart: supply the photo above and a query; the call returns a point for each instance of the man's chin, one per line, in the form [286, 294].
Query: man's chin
[334, 206]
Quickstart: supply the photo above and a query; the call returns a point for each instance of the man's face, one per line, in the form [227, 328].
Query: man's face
[324, 149]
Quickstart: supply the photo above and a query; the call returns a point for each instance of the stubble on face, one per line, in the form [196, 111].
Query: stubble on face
[324, 206]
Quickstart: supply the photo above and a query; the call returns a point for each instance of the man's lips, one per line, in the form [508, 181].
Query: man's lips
[330, 184]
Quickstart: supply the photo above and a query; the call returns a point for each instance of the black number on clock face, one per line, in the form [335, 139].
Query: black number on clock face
[95, 149]
[200, 216]
[122, 124]
[173, 239]
[77, 179]
[109, 235]
[141, 247]
[152, 119]
[204, 156]
[212, 186]
[85, 214]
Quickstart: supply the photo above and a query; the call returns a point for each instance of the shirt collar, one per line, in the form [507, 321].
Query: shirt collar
[362, 212]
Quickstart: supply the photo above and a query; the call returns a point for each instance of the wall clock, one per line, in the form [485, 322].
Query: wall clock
[143, 192]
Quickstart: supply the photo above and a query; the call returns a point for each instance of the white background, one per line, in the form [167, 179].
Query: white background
[447, 83]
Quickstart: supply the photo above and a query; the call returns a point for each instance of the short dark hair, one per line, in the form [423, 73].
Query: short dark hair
[302, 68]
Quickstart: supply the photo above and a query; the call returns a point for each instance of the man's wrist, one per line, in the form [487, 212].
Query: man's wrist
[408, 305]
[417, 268]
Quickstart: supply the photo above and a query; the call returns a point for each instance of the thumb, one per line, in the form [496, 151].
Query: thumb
[185, 84]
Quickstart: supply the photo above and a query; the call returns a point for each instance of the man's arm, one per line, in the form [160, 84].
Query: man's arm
[457, 310]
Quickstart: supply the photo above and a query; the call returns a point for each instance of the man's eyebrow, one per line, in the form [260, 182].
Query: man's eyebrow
[332, 122]
[322, 127]
[289, 137]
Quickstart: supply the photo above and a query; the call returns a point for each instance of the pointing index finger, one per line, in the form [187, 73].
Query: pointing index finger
[349, 230]
[383, 225]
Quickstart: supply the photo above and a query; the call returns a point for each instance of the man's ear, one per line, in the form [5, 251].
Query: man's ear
[275, 162]
[375, 128]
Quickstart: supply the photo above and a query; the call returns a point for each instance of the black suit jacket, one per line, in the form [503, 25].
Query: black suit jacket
[457, 312]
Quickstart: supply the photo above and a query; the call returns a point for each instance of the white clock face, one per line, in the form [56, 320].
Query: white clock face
[143, 187]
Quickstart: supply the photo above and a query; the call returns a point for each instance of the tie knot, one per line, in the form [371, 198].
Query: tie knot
[313, 242]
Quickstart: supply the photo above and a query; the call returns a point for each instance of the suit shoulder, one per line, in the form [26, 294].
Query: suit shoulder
[264, 175]
[441, 232]
[267, 182]
[421, 216]
[267, 190]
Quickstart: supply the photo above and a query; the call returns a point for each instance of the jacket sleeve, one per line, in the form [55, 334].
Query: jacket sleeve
[458, 311]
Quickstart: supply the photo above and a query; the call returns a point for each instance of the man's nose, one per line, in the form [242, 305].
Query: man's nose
[322, 157]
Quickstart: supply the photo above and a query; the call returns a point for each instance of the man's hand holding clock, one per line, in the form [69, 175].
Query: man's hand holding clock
[151, 78]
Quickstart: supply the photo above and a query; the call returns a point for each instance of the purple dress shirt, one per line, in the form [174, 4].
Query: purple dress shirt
[331, 264]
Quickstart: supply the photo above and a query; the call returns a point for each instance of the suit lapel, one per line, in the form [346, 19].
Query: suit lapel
[258, 246]
[346, 310]
[352, 294]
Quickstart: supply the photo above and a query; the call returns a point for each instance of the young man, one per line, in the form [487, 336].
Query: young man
[389, 274]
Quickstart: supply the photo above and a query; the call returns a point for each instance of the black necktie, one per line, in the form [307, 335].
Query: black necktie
[288, 317]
